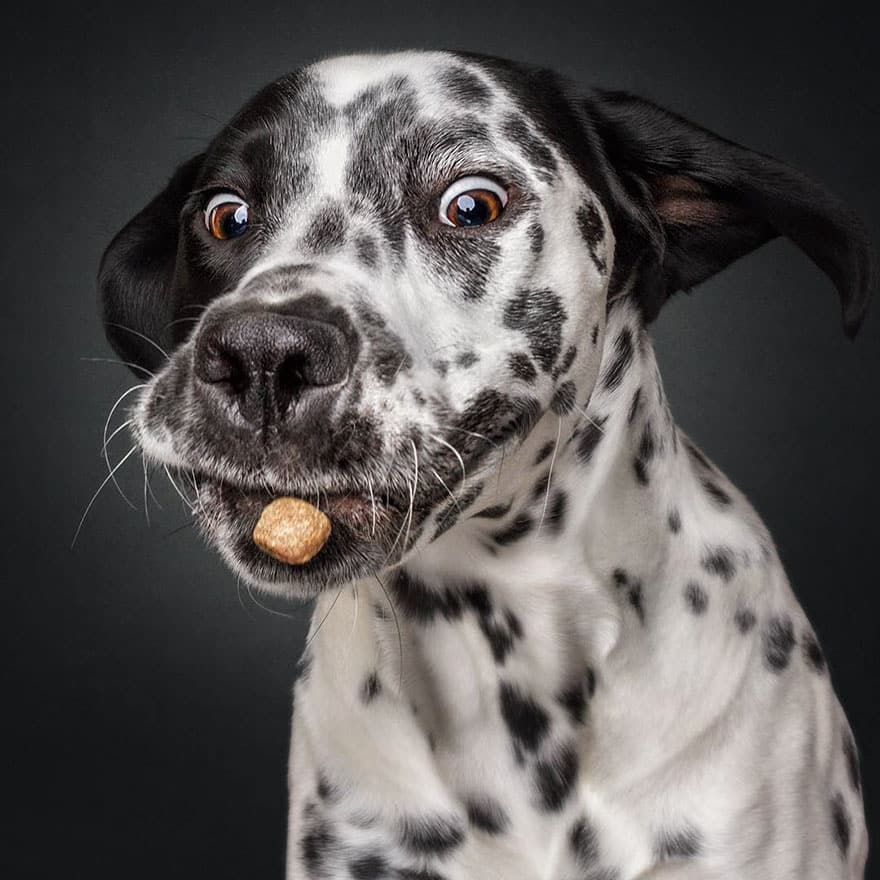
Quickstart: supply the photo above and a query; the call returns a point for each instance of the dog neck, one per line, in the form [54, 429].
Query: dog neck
[567, 585]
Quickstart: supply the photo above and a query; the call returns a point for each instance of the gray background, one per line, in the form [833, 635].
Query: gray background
[146, 696]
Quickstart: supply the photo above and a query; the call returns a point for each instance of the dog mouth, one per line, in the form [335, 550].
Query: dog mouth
[370, 529]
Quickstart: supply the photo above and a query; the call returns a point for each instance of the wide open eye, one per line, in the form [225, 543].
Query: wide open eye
[226, 216]
[472, 201]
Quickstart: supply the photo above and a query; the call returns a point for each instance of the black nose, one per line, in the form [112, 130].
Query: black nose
[265, 362]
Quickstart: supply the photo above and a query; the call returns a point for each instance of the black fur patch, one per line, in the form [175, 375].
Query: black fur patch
[778, 642]
[591, 434]
[368, 867]
[719, 561]
[716, 493]
[486, 814]
[521, 367]
[555, 518]
[591, 229]
[327, 230]
[539, 314]
[683, 843]
[465, 87]
[634, 405]
[496, 511]
[555, 777]
[851, 755]
[584, 843]
[840, 824]
[517, 530]
[745, 619]
[371, 688]
[467, 359]
[537, 152]
[634, 597]
[646, 451]
[696, 597]
[813, 652]
[620, 362]
[431, 835]
[544, 452]
[563, 399]
[367, 251]
[526, 721]
[673, 521]
[388, 353]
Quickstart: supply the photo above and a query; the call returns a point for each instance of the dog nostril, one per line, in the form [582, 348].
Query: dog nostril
[290, 376]
[222, 367]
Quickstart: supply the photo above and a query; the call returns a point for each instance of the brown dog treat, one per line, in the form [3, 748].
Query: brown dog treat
[291, 530]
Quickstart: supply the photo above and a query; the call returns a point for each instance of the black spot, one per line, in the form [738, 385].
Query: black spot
[541, 487]
[646, 451]
[683, 843]
[594, 334]
[589, 439]
[367, 251]
[371, 688]
[621, 578]
[851, 754]
[620, 362]
[719, 561]
[574, 697]
[317, 844]
[517, 530]
[778, 642]
[563, 399]
[440, 366]
[417, 874]
[522, 367]
[566, 362]
[327, 229]
[497, 511]
[430, 834]
[674, 521]
[545, 451]
[840, 824]
[465, 87]
[527, 722]
[696, 597]
[536, 238]
[467, 359]
[584, 843]
[591, 229]
[368, 867]
[813, 652]
[635, 600]
[555, 518]
[487, 815]
[745, 619]
[634, 405]
[555, 777]
[415, 600]
[539, 314]
[697, 455]
[716, 493]
[538, 153]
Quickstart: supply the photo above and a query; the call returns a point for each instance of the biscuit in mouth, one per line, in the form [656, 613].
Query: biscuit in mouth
[291, 530]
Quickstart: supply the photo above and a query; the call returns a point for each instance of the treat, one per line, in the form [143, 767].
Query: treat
[291, 530]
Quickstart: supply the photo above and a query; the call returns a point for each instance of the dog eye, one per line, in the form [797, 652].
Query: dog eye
[226, 216]
[472, 201]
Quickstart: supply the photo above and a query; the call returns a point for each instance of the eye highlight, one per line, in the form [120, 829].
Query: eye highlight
[472, 201]
[226, 216]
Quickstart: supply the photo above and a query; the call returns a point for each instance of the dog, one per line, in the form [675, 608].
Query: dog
[550, 641]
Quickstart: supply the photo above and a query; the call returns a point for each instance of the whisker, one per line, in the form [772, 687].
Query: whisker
[412, 494]
[373, 506]
[122, 427]
[94, 497]
[455, 452]
[399, 636]
[314, 635]
[550, 474]
[140, 335]
[146, 483]
[184, 498]
[129, 364]
[448, 490]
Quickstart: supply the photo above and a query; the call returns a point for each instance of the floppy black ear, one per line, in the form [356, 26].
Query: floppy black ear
[135, 276]
[703, 201]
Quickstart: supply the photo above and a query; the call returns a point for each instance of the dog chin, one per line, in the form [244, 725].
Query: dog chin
[365, 538]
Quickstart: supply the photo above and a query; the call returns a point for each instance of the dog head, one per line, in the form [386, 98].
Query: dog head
[385, 269]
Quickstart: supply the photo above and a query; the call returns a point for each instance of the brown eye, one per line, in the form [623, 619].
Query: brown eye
[226, 216]
[472, 201]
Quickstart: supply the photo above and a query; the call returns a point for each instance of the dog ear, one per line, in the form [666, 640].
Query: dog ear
[136, 272]
[702, 202]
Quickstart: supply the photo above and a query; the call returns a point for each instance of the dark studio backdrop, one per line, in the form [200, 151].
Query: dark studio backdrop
[146, 694]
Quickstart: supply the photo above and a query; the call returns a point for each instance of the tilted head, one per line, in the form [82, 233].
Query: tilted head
[384, 271]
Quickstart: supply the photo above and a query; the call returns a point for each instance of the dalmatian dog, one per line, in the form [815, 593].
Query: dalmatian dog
[550, 641]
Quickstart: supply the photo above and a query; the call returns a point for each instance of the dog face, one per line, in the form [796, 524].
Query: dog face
[386, 269]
